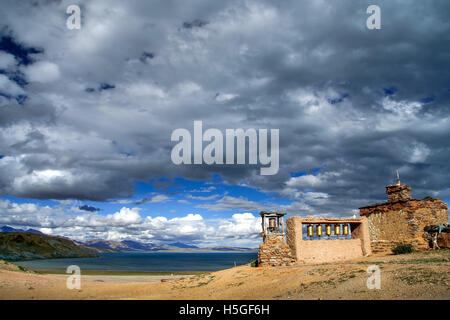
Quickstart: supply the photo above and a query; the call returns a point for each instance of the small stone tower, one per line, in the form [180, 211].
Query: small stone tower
[398, 191]
[274, 250]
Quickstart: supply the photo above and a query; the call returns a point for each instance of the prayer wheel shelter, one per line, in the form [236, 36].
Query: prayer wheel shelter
[274, 251]
[321, 240]
[311, 240]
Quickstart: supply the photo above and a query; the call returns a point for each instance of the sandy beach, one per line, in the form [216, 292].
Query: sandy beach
[126, 279]
[422, 275]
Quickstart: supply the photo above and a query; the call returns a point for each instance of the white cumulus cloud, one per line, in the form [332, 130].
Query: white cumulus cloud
[43, 72]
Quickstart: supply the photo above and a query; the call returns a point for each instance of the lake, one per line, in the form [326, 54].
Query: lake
[147, 262]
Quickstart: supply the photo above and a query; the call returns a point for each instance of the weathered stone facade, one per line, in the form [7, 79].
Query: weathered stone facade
[402, 219]
[274, 252]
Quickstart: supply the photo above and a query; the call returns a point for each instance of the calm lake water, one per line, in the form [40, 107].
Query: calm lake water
[158, 261]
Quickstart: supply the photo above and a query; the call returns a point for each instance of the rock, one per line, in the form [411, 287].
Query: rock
[443, 240]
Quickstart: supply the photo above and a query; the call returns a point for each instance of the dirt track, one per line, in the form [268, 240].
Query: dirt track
[413, 276]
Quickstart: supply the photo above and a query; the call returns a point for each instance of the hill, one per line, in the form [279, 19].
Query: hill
[105, 245]
[234, 249]
[11, 229]
[182, 245]
[136, 245]
[16, 246]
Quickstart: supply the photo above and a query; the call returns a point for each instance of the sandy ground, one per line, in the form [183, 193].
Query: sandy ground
[413, 276]
[127, 279]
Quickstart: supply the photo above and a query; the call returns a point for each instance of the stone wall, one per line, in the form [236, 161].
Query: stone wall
[294, 234]
[274, 252]
[361, 231]
[324, 251]
[402, 221]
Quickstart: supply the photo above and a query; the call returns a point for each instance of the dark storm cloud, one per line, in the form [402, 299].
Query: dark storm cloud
[197, 23]
[85, 207]
[101, 87]
[354, 102]
[146, 56]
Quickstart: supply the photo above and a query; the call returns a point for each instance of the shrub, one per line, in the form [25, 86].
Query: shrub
[23, 269]
[254, 263]
[403, 249]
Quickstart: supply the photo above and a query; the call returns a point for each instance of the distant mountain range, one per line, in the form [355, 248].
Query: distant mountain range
[104, 246]
[182, 245]
[135, 246]
[10, 229]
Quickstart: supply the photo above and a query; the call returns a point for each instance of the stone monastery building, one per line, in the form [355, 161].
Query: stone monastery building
[380, 227]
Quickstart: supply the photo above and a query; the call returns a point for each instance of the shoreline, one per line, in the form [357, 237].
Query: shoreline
[119, 272]
[100, 254]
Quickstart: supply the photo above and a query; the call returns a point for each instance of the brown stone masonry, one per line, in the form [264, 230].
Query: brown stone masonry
[274, 252]
[402, 221]
[398, 192]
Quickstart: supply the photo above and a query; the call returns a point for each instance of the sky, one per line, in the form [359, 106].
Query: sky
[86, 115]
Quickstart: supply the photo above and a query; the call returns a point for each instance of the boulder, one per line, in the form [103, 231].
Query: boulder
[443, 240]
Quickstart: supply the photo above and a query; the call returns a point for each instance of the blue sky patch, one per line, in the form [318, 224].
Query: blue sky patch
[390, 91]
[19, 51]
[339, 99]
[428, 99]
